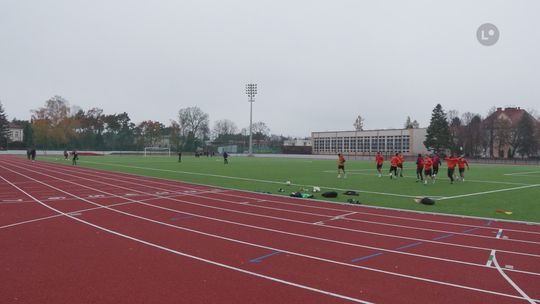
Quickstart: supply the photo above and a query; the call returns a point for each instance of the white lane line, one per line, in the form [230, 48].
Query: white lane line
[310, 213]
[266, 247]
[489, 192]
[56, 198]
[296, 234]
[499, 233]
[131, 201]
[490, 259]
[88, 171]
[507, 278]
[337, 217]
[286, 220]
[196, 257]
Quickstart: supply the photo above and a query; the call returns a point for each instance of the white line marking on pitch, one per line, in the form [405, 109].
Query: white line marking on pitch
[159, 181]
[521, 173]
[507, 278]
[253, 180]
[247, 243]
[488, 192]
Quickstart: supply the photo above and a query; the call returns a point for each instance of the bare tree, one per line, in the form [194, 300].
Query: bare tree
[56, 109]
[193, 120]
[260, 128]
[224, 127]
[409, 124]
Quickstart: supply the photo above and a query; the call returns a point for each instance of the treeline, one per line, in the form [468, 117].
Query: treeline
[501, 134]
[56, 125]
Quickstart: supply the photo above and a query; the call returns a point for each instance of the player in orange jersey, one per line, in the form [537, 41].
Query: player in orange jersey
[451, 162]
[379, 159]
[462, 162]
[400, 164]
[428, 169]
[394, 161]
[341, 166]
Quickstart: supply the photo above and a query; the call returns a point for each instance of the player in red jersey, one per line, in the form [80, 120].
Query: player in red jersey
[436, 163]
[394, 161]
[379, 159]
[400, 164]
[341, 166]
[428, 164]
[419, 168]
[451, 162]
[462, 162]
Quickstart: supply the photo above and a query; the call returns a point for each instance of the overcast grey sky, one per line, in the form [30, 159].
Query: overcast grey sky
[318, 64]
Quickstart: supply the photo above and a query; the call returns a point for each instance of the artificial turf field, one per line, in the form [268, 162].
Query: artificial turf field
[486, 190]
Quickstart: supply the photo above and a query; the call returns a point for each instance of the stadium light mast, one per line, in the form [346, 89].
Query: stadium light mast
[251, 91]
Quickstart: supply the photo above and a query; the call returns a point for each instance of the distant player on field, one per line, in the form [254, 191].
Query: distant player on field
[419, 168]
[74, 157]
[451, 162]
[379, 159]
[428, 165]
[225, 157]
[66, 155]
[462, 162]
[341, 166]
[394, 161]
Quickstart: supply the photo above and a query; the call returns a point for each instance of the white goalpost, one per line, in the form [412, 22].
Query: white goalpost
[156, 151]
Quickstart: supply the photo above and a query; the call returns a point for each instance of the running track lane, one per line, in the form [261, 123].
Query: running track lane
[432, 270]
[526, 263]
[490, 226]
[222, 250]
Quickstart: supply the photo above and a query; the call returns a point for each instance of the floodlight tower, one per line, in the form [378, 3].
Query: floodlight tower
[251, 91]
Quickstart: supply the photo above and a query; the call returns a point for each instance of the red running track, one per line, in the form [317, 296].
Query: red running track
[77, 235]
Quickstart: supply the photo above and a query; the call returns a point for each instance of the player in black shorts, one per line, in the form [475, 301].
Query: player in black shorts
[75, 157]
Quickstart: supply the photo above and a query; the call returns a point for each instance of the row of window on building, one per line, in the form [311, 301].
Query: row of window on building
[364, 144]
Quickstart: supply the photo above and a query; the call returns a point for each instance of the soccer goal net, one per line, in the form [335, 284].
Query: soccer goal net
[157, 151]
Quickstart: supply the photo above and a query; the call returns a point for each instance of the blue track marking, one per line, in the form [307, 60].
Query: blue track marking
[471, 230]
[442, 237]
[366, 257]
[409, 245]
[259, 259]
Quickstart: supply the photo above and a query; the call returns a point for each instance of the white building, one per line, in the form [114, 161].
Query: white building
[15, 133]
[362, 143]
[297, 142]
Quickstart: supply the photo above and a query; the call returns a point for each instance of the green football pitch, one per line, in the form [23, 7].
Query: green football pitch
[486, 191]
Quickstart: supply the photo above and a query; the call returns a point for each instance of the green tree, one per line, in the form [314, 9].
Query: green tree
[4, 128]
[438, 136]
